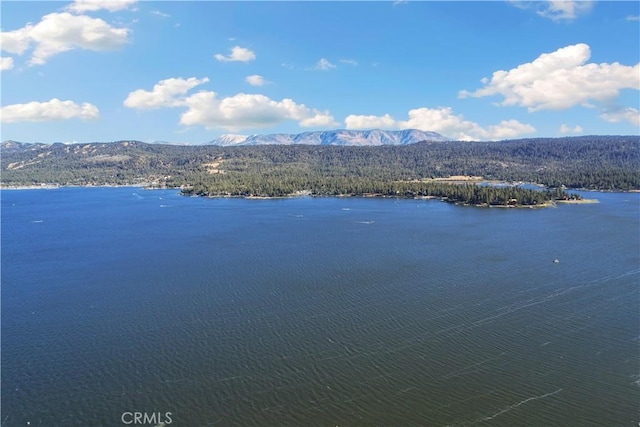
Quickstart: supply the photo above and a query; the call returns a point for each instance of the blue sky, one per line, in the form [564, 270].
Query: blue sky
[107, 70]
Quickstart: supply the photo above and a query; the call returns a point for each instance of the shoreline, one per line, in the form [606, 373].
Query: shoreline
[147, 186]
[578, 202]
[547, 204]
[55, 187]
[453, 180]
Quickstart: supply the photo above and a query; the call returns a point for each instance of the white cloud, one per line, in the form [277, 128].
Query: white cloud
[568, 129]
[349, 61]
[370, 122]
[160, 14]
[255, 80]
[81, 6]
[166, 93]
[565, 10]
[50, 110]
[324, 65]
[559, 80]
[16, 41]
[319, 119]
[556, 10]
[6, 63]
[505, 130]
[60, 32]
[632, 18]
[238, 53]
[247, 111]
[442, 120]
[233, 113]
[616, 115]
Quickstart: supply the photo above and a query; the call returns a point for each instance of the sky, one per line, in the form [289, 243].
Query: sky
[191, 71]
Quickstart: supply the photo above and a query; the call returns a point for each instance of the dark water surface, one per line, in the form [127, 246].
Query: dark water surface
[317, 312]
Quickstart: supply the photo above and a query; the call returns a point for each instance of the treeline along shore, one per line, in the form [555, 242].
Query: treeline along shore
[606, 163]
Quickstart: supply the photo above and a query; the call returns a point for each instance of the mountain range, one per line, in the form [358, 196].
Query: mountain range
[333, 137]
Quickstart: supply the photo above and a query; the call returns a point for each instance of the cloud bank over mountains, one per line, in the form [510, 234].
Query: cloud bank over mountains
[232, 113]
[251, 111]
[444, 121]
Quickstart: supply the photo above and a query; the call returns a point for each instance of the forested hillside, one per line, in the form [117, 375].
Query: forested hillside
[591, 162]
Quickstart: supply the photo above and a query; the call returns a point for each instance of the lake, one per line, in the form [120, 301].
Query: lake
[317, 311]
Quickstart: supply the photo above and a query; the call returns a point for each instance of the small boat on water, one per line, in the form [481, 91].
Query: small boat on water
[555, 261]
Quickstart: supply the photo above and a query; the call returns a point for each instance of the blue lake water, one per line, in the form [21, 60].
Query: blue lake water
[317, 311]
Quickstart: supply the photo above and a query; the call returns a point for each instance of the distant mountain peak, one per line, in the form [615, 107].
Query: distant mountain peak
[334, 137]
[230, 139]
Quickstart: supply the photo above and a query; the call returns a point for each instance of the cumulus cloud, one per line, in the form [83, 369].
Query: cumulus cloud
[318, 119]
[233, 113]
[49, 110]
[6, 63]
[81, 6]
[370, 122]
[559, 80]
[616, 115]
[246, 111]
[568, 129]
[255, 80]
[556, 10]
[16, 41]
[239, 54]
[60, 32]
[444, 121]
[324, 65]
[166, 93]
